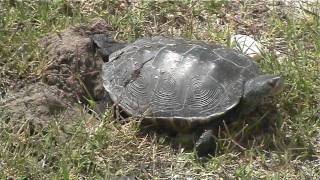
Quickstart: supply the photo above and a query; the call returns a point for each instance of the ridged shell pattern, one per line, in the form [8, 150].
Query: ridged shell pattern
[175, 78]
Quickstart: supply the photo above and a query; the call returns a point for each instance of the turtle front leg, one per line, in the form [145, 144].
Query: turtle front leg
[206, 144]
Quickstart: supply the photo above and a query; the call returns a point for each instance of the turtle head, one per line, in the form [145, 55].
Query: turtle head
[259, 88]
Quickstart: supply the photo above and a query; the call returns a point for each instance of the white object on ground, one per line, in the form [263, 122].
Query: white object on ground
[247, 45]
[301, 8]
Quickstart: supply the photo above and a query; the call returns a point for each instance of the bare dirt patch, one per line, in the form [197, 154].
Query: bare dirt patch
[36, 103]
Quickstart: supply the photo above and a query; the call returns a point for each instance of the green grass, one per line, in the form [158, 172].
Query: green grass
[288, 149]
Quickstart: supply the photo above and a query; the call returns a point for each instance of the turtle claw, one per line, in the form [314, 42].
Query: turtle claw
[206, 145]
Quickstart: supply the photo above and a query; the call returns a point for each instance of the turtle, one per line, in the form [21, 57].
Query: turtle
[185, 85]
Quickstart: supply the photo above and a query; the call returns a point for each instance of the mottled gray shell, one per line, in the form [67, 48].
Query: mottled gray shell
[165, 78]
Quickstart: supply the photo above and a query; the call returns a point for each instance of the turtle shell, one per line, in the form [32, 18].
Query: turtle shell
[172, 78]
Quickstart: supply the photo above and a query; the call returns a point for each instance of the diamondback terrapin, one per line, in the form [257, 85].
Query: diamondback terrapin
[185, 85]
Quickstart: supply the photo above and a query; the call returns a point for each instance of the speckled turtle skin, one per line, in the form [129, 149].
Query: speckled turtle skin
[173, 80]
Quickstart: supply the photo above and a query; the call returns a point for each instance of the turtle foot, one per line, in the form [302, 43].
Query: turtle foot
[206, 145]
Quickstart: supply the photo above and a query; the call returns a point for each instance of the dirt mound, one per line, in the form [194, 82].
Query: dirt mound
[74, 64]
[73, 75]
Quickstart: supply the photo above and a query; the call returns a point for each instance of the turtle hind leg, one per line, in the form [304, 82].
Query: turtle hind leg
[206, 144]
